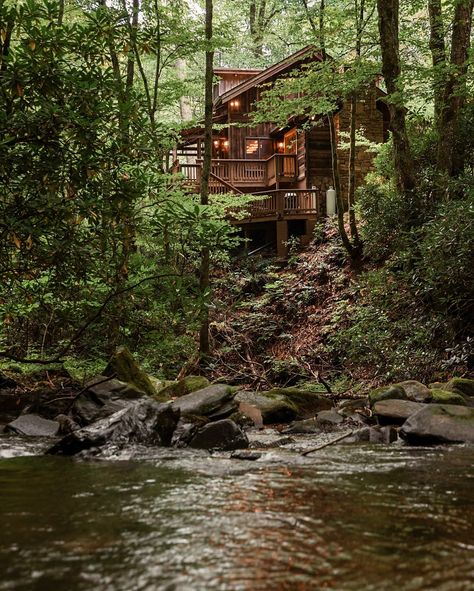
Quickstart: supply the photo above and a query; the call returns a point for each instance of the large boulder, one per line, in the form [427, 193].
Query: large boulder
[187, 385]
[415, 391]
[104, 397]
[445, 397]
[123, 366]
[208, 401]
[395, 411]
[185, 430]
[463, 386]
[144, 422]
[438, 423]
[263, 409]
[305, 404]
[387, 393]
[222, 435]
[34, 426]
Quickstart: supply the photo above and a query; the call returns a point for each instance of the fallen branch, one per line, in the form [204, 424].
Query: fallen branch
[327, 444]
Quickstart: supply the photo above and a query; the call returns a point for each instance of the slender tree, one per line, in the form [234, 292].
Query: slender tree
[204, 283]
[451, 154]
[390, 47]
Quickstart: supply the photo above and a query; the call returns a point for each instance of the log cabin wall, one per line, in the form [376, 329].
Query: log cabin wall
[239, 132]
[319, 162]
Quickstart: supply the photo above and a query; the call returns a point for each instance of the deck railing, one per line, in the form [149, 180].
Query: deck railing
[243, 173]
[288, 203]
[281, 203]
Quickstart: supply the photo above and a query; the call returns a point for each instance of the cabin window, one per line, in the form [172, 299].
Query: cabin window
[290, 142]
[258, 148]
[220, 147]
[235, 106]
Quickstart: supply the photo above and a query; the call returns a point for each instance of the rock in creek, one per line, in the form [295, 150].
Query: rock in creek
[187, 385]
[246, 455]
[144, 422]
[387, 393]
[268, 410]
[185, 430]
[446, 397]
[464, 386]
[305, 404]
[283, 405]
[436, 423]
[394, 411]
[415, 391]
[384, 435]
[123, 366]
[206, 402]
[33, 426]
[304, 426]
[104, 398]
[223, 435]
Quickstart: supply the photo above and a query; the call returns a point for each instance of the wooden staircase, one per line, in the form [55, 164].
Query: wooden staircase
[217, 185]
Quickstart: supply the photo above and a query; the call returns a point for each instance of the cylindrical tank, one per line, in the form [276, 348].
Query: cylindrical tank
[331, 201]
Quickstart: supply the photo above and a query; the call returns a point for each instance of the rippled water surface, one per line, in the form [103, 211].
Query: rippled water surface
[358, 518]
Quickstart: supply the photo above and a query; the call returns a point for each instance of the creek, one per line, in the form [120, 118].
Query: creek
[361, 518]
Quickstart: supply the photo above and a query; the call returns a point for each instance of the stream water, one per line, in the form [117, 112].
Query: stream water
[347, 518]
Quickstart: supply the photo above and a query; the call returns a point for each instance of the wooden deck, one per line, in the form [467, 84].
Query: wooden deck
[286, 204]
[247, 173]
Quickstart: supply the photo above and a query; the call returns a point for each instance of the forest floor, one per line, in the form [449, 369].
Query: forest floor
[272, 324]
[281, 325]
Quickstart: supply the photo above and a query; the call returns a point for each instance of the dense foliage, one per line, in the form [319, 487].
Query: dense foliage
[100, 242]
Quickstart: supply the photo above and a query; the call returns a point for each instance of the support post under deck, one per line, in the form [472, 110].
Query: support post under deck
[282, 239]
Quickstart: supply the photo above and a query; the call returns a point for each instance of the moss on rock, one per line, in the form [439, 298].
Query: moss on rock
[305, 404]
[445, 397]
[394, 392]
[463, 386]
[123, 365]
[177, 388]
[415, 391]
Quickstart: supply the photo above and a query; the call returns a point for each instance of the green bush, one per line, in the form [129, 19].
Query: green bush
[386, 329]
[446, 261]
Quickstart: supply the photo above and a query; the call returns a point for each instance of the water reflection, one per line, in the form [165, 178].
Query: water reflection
[348, 519]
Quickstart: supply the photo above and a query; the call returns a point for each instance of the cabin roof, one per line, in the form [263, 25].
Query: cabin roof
[264, 75]
[238, 71]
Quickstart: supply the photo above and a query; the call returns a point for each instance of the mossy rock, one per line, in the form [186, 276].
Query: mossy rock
[463, 386]
[178, 388]
[387, 393]
[125, 368]
[437, 386]
[305, 404]
[445, 397]
[162, 390]
[415, 391]
[272, 409]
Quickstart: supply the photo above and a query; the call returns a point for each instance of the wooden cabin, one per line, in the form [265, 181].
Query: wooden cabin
[291, 166]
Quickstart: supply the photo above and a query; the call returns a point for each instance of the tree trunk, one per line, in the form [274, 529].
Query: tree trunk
[451, 151]
[352, 176]
[389, 44]
[359, 19]
[438, 55]
[204, 282]
[185, 108]
[351, 251]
